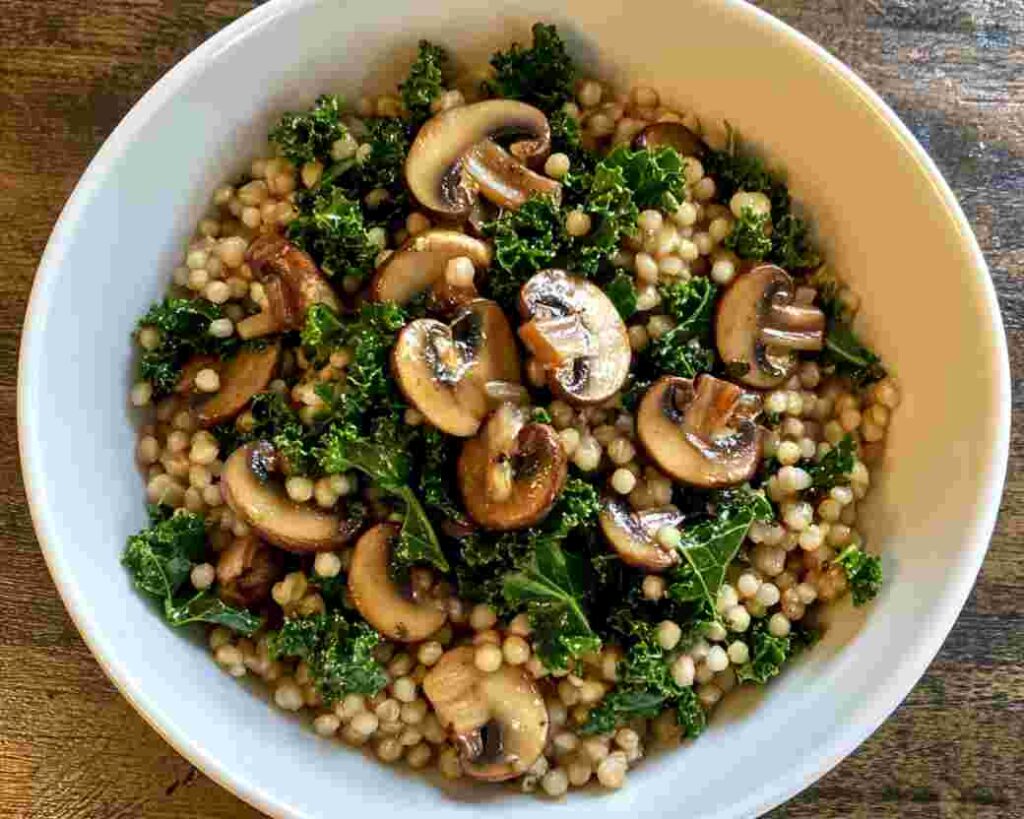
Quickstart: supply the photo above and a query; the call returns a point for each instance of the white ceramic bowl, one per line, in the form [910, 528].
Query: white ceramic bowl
[890, 225]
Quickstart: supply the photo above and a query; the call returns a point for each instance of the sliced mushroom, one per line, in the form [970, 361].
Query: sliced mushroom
[454, 157]
[498, 719]
[256, 497]
[698, 431]
[574, 329]
[674, 135]
[241, 378]
[633, 534]
[511, 474]
[420, 263]
[246, 571]
[291, 282]
[760, 326]
[379, 599]
[443, 369]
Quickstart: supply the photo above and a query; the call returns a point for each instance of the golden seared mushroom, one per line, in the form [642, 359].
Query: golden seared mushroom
[511, 474]
[379, 599]
[443, 369]
[634, 534]
[574, 330]
[673, 135]
[498, 719]
[292, 283]
[242, 377]
[421, 262]
[253, 493]
[761, 325]
[699, 431]
[454, 157]
[246, 571]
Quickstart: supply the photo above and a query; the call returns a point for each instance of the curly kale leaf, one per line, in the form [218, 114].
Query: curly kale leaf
[791, 245]
[767, 655]
[305, 137]
[330, 228]
[566, 138]
[184, 326]
[525, 241]
[425, 81]
[611, 204]
[736, 170]
[750, 238]
[843, 348]
[708, 547]
[370, 336]
[622, 294]
[835, 467]
[687, 348]
[275, 421]
[541, 75]
[863, 573]
[338, 651]
[160, 559]
[655, 177]
[437, 474]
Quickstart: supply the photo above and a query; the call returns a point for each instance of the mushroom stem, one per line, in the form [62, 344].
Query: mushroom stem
[503, 179]
[711, 409]
[794, 327]
[553, 341]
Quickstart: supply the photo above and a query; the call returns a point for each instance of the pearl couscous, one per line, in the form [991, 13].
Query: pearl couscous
[505, 429]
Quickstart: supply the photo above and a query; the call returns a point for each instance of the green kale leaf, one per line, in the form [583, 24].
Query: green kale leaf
[863, 573]
[843, 348]
[767, 655]
[610, 202]
[525, 241]
[737, 170]
[305, 137]
[622, 294]
[425, 81]
[160, 559]
[687, 349]
[791, 245]
[330, 228]
[338, 651]
[750, 238]
[542, 75]
[655, 177]
[835, 468]
[184, 326]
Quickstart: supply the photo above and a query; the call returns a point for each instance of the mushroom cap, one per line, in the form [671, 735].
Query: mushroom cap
[263, 504]
[674, 135]
[692, 431]
[591, 378]
[538, 467]
[499, 719]
[246, 571]
[434, 166]
[420, 262]
[443, 370]
[378, 598]
[633, 534]
[241, 378]
[758, 326]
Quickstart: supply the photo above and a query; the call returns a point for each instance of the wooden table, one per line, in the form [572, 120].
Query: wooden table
[70, 746]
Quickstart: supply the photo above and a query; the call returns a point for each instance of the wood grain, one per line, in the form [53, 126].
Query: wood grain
[70, 746]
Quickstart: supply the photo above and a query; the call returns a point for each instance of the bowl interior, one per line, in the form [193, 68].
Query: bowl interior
[888, 224]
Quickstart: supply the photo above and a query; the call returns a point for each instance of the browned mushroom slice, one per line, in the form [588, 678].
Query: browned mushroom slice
[498, 720]
[759, 326]
[241, 378]
[443, 369]
[511, 474]
[451, 159]
[379, 599]
[674, 135]
[693, 432]
[292, 284]
[573, 327]
[246, 571]
[420, 263]
[257, 498]
[633, 534]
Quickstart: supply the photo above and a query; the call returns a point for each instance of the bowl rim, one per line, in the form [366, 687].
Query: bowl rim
[892, 691]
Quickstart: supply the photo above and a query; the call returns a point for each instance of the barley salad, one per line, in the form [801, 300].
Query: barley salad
[504, 425]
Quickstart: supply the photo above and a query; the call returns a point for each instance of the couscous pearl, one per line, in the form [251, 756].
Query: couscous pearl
[327, 564]
[646, 267]
[668, 537]
[747, 584]
[726, 598]
[589, 93]
[723, 271]
[557, 165]
[299, 488]
[788, 453]
[715, 631]
[717, 659]
[709, 694]
[668, 634]
[202, 576]
[577, 223]
[600, 125]
[623, 481]
[693, 170]
[807, 593]
[221, 328]
[459, 272]
[141, 393]
[416, 222]
[778, 625]
[638, 337]
[849, 420]
[767, 594]
[737, 618]
[704, 190]
[482, 617]
[515, 650]
[389, 749]
[404, 689]
[739, 652]
[649, 220]
[653, 587]
[611, 772]
[686, 214]
[588, 454]
[365, 723]
[149, 338]
[207, 380]
[326, 725]
[288, 695]
[555, 782]
[217, 291]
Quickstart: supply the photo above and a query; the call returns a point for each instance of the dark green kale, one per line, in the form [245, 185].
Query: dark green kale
[767, 655]
[425, 81]
[843, 348]
[184, 326]
[322, 331]
[863, 573]
[308, 136]
[566, 139]
[736, 170]
[525, 241]
[275, 421]
[791, 245]
[610, 202]
[542, 75]
[338, 650]
[371, 334]
[622, 294]
[437, 474]
[330, 228]
[687, 349]
[160, 559]
[835, 468]
[708, 547]
[655, 177]
[749, 238]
